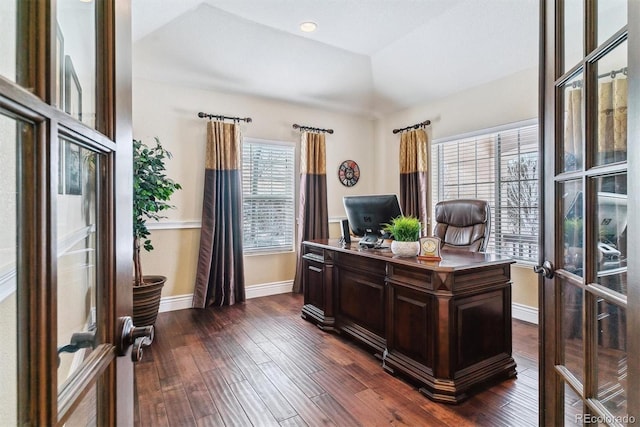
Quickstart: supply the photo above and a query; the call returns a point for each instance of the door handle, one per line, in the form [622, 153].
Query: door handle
[546, 269]
[138, 336]
[79, 340]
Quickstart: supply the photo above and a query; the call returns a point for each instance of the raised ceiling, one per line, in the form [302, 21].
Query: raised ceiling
[369, 57]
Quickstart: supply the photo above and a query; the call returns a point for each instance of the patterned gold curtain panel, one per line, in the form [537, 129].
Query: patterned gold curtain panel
[414, 175]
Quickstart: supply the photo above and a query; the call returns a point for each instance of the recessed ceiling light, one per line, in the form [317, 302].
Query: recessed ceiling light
[308, 27]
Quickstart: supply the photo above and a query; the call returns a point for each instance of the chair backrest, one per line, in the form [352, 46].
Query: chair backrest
[463, 224]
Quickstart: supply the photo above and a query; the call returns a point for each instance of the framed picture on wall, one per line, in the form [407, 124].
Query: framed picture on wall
[61, 147]
[72, 169]
[60, 60]
[72, 90]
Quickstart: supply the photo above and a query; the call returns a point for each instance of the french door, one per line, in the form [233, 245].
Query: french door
[65, 213]
[590, 293]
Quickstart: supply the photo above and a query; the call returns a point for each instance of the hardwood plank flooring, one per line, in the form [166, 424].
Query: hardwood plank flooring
[261, 364]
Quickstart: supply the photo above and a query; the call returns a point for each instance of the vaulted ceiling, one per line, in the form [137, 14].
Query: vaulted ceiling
[368, 57]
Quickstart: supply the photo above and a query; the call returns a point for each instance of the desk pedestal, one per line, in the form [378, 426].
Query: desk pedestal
[445, 325]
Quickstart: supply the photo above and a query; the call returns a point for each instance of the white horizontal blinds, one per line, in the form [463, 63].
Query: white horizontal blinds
[268, 199]
[517, 221]
[500, 167]
[467, 171]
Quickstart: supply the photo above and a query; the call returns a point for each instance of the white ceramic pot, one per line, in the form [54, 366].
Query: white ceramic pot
[405, 249]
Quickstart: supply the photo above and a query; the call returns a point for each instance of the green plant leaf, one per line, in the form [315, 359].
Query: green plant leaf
[152, 190]
[404, 228]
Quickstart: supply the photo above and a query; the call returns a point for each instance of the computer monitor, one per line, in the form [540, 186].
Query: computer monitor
[368, 214]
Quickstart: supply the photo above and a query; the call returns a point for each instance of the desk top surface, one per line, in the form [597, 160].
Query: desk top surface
[451, 260]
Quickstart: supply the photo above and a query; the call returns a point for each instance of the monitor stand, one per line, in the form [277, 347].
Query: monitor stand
[369, 240]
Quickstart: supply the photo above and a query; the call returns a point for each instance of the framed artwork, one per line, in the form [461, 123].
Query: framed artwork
[72, 169]
[72, 90]
[60, 60]
[429, 249]
[61, 147]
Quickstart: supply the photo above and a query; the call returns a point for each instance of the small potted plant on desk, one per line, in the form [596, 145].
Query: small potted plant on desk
[152, 190]
[406, 235]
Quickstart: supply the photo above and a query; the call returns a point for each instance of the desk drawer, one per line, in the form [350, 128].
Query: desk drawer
[413, 277]
[360, 263]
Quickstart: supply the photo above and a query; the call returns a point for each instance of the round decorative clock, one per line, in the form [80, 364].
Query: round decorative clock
[349, 173]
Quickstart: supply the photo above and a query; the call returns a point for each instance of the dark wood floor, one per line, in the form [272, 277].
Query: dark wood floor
[260, 364]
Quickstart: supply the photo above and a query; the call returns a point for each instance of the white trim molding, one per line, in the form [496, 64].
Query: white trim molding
[8, 282]
[177, 302]
[266, 289]
[173, 225]
[524, 312]
[181, 302]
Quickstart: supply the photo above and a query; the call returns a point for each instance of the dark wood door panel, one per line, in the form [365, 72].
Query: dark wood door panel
[315, 289]
[413, 325]
[482, 328]
[361, 299]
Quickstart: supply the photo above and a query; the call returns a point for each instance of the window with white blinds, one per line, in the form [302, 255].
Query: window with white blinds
[502, 168]
[268, 195]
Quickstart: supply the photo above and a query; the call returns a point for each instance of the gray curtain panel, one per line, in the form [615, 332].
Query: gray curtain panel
[220, 270]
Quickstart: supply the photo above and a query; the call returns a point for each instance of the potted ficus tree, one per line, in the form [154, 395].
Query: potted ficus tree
[406, 235]
[152, 189]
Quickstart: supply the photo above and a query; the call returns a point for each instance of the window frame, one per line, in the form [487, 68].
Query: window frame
[293, 184]
[498, 238]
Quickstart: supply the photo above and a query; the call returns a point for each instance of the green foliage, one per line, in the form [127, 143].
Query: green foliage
[152, 190]
[404, 228]
[573, 232]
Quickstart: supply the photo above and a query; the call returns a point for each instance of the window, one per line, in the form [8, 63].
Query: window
[268, 195]
[500, 166]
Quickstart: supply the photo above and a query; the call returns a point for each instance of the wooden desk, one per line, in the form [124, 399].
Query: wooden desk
[446, 324]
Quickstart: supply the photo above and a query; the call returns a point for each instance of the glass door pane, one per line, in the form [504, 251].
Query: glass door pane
[611, 229]
[77, 279]
[612, 358]
[572, 227]
[612, 106]
[573, 408]
[8, 19]
[612, 16]
[573, 120]
[573, 33]
[9, 145]
[76, 62]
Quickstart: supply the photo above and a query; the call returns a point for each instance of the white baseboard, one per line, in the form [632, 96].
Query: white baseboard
[266, 289]
[177, 302]
[524, 313]
[180, 302]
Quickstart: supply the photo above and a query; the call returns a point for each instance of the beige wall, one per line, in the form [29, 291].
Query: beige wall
[508, 100]
[169, 112]
[8, 358]
[504, 101]
[8, 304]
[525, 285]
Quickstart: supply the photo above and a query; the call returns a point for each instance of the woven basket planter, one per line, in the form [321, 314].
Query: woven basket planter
[146, 300]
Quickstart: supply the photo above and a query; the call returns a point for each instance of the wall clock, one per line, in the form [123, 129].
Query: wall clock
[349, 173]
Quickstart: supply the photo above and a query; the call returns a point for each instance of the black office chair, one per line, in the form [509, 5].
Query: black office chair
[463, 224]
